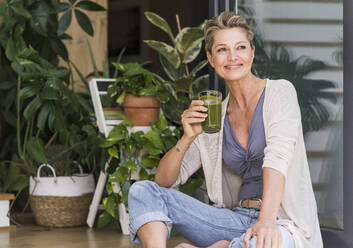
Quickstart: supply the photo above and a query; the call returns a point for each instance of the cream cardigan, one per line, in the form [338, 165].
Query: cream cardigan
[284, 151]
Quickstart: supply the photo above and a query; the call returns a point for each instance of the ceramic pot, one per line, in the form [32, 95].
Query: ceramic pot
[142, 111]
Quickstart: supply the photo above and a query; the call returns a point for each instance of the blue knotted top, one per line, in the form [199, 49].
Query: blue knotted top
[247, 162]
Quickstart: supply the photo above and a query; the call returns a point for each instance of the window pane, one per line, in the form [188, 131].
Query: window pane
[302, 41]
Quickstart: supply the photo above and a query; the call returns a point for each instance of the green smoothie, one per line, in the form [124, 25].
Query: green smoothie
[212, 123]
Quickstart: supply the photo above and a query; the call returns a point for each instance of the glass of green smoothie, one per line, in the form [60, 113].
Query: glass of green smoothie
[213, 102]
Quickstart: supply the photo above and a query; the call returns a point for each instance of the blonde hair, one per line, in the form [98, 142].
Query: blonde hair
[225, 20]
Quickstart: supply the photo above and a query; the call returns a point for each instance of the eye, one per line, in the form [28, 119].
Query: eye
[222, 49]
[242, 47]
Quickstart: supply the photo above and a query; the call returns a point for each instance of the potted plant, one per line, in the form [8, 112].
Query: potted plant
[139, 93]
[136, 153]
[182, 82]
[43, 100]
[55, 111]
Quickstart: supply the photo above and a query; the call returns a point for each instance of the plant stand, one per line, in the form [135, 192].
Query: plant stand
[4, 212]
[98, 87]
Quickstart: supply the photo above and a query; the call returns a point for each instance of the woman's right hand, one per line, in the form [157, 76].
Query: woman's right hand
[192, 118]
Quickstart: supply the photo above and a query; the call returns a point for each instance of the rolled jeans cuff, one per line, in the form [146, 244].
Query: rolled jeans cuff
[136, 223]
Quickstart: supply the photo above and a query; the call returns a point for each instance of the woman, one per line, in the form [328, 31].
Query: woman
[255, 168]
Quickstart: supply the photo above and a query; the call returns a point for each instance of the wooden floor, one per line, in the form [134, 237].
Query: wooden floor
[30, 235]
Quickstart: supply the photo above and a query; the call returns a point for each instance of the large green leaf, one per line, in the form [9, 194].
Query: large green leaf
[188, 39]
[143, 175]
[104, 219]
[190, 55]
[51, 118]
[20, 9]
[131, 165]
[109, 188]
[17, 67]
[59, 47]
[91, 6]
[152, 150]
[169, 141]
[168, 68]
[49, 93]
[10, 49]
[113, 151]
[162, 123]
[64, 22]
[36, 151]
[28, 91]
[43, 116]
[63, 7]
[169, 52]
[109, 205]
[84, 22]
[199, 67]
[159, 22]
[117, 133]
[120, 175]
[154, 137]
[32, 108]
[150, 162]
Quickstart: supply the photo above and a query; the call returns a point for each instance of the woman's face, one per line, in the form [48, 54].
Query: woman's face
[232, 55]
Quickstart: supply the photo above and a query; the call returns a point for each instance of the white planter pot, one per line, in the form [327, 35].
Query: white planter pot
[76, 185]
[61, 201]
[4, 209]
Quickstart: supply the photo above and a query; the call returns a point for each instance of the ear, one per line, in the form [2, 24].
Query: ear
[210, 59]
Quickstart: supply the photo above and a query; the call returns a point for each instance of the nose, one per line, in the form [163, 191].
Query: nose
[232, 55]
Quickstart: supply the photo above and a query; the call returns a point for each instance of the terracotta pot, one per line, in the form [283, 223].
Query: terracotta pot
[142, 111]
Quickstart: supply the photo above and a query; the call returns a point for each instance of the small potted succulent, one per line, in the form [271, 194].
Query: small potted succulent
[139, 93]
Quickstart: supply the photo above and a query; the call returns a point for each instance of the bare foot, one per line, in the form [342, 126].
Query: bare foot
[185, 245]
[218, 244]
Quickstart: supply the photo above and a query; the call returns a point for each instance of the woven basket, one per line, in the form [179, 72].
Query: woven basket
[61, 201]
[60, 211]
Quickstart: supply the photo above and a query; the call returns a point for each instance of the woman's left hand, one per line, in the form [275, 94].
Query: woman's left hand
[267, 233]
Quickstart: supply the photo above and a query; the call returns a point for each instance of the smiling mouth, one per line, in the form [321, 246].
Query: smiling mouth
[233, 67]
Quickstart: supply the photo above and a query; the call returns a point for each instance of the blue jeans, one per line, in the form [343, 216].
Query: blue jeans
[196, 221]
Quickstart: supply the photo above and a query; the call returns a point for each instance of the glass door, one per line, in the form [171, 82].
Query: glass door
[302, 41]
